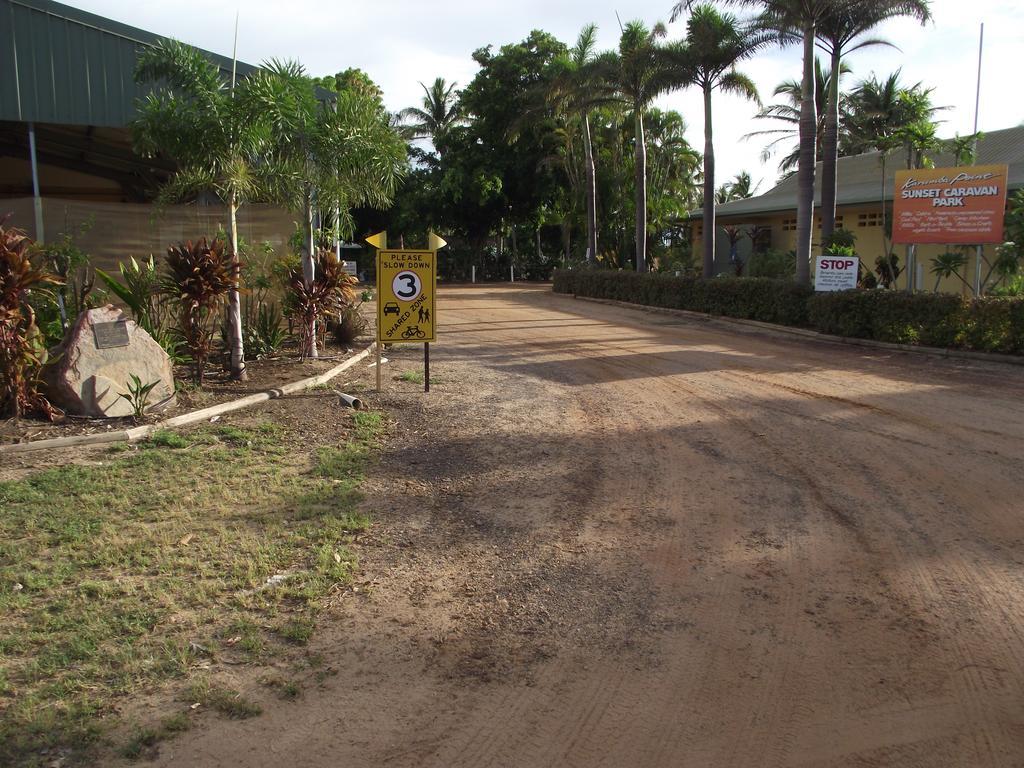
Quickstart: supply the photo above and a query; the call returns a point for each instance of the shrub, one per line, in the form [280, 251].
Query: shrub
[350, 326]
[770, 301]
[996, 325]
[939, 320]
[263, 331]
[327, 295]
[197, 279]
[22, 347]
[902, 318]
[780, 265]
[139, 290]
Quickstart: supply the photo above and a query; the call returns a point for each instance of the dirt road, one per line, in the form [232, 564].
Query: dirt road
[612, 538]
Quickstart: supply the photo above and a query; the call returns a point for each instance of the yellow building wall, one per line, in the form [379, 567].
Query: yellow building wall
[865, 224]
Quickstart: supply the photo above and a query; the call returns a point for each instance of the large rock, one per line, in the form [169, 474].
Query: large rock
[96, 364]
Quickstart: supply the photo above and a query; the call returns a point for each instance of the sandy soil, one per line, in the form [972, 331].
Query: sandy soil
[611, 538]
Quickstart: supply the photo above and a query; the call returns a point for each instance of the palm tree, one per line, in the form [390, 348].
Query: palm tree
[843, 31]
[880, 112]
[439, 114]
[673, 167]
[793, 20]
[579, 88]
[964, 148]
[737, 189]
[714, 43]
[788, 112]
[195, 117]
[947, 265]
[334, 154]
[642, 70]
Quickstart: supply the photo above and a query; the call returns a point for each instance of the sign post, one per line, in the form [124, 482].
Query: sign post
[406, 298]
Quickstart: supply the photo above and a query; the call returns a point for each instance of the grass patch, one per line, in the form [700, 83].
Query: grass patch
[118, 577]
[416, 377]
[225, 700]
[369, 425]
[298, 631]
[166, 438]
[144, 741]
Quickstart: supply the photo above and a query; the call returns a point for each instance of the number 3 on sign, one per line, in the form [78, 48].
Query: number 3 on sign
[406, 286]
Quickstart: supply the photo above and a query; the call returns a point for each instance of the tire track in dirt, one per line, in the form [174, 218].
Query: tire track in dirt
[716, 597]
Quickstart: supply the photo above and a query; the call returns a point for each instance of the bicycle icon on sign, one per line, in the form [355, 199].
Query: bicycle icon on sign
[413, 332]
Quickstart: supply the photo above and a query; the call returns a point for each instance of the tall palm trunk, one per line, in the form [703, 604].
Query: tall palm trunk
[830, 152]
[881, 197]
[805, 170]
[641, 194]
[309, 260]
[709, 188]
[588, 150]
[238, 372]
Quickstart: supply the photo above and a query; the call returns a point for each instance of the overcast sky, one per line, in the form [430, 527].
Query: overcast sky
[401, 42]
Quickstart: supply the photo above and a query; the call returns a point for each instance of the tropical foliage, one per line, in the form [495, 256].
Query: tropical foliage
[22, 347]
[327, 295]
[198, 277]
[194, 116]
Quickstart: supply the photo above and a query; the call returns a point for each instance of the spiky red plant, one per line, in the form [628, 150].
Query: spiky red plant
[198, 278]
[22, 349]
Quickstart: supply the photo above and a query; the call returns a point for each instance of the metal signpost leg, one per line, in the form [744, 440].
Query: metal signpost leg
[426, 367]
[378, 365]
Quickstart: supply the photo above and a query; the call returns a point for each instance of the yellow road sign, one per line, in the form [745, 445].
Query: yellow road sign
[406, 287]
[378, 241]
[437, 242]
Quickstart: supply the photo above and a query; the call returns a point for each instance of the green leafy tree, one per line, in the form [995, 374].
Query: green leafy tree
[508, 164]
[964, 148]
[947, 265]
[580, 88]
[715, 42]
[352, 79]
[200, 119]
[643, 69]
[327, 154]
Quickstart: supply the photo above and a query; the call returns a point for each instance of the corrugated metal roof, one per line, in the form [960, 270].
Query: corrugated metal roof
[860, 176]
[61, 65]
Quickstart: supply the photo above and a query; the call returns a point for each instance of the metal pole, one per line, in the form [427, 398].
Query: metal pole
[37, 204]
[378, 365]
[38, 200]
[426, 366]
[473, 268]
[977, 92]
[977, 104]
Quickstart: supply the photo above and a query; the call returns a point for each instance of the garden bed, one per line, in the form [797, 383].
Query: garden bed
[217, 388]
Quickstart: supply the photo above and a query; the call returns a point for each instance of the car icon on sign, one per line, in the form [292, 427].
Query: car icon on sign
[391, 308]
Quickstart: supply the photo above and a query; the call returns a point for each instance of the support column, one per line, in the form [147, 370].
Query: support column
[37, 198]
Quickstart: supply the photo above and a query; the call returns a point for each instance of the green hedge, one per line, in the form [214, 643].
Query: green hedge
[760, 298]
[935, 320]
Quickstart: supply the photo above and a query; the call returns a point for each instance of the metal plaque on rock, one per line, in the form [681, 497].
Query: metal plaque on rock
[109, 335]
